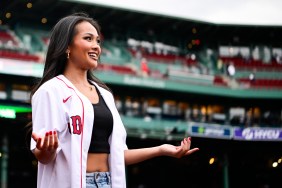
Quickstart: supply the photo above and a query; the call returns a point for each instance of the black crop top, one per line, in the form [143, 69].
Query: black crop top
[102, 128]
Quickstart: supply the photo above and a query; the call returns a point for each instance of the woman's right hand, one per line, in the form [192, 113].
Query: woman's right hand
[46, 146]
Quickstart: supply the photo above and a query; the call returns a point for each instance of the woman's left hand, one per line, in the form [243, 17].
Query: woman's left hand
[178, 151]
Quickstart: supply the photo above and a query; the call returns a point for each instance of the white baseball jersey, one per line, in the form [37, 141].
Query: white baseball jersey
[58, 105]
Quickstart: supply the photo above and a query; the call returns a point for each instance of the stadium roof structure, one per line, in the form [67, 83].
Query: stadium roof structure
[124, 21]
[239, 12]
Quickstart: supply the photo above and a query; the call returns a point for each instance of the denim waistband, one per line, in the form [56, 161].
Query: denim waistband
[98, 177]
[95, 174]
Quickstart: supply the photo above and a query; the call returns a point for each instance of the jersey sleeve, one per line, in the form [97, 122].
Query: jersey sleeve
[46, 114]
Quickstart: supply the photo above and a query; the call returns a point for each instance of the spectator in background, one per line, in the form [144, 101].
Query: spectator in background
[219, 65]
[144, 67]
[231, 70]
[74, 148]
[278, 59]
[138, 54]
[252, 77]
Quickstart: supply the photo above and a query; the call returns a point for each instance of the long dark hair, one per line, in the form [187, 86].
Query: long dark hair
[61, 37]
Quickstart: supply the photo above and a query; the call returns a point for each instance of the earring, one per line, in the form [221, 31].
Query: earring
[68, 54]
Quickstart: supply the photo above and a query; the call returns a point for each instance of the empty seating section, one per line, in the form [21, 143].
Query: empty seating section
[19, 56]
[116, 69]
[241, 63]
[164, 58]
[262, 74]
[273, 83]
[115, 53]
[35, 39]
[190, 74]
[154, 66]
[6, 37]
[115, 58]
[28, 44]
[168, 66]
[219, 81]
[265, 75]
[12, 47]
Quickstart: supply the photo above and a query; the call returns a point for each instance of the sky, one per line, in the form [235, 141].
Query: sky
[235, 12]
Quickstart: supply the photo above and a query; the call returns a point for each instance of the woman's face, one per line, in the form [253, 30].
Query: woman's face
[85, 47]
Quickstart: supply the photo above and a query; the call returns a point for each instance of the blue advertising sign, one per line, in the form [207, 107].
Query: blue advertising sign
[211, 131]
[258, 133]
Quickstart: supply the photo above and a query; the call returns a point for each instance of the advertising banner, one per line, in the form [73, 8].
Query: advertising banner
[255, 134]
[210, 130]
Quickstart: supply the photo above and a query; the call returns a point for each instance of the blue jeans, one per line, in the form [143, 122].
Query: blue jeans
[98, 180]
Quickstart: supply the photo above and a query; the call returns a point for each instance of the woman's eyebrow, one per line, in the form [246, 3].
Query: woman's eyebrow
[91, 34]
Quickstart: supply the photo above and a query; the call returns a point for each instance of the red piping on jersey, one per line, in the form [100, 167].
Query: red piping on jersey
[82, 128]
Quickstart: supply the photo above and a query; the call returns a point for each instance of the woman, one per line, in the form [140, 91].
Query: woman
[77, 134]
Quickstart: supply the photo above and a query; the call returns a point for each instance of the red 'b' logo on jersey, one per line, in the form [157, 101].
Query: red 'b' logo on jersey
[75, 126]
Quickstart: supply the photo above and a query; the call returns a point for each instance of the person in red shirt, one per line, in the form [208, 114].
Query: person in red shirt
[144, 67]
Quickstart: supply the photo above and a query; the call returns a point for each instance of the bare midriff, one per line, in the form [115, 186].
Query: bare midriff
[97, 162]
